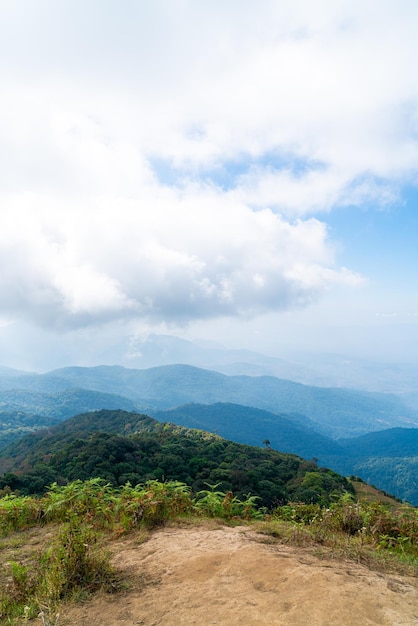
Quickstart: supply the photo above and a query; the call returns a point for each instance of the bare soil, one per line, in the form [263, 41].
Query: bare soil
[235, 576]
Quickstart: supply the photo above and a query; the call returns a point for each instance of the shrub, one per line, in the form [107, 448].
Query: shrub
[153, 503]
[225, 505]
[18, 513]
[299, 512]
[344, 516]
[72, 564]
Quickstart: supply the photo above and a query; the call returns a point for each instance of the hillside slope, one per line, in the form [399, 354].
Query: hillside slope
[122, 447]
[388, 458]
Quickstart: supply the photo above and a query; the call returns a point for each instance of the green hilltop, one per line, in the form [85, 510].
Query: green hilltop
[121, 447]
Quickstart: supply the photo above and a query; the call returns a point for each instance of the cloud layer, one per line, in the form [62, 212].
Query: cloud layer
[172, 256]
[174, 161]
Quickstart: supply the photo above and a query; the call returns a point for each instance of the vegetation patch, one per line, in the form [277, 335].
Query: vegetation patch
[73, 566]
[75, 521]
[372, 532]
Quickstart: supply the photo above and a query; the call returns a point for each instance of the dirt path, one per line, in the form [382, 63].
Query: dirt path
[227, 576]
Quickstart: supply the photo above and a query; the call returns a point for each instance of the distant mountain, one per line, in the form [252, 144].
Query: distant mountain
[23, 411]
[253, 426]
[410, 399]
[334, 412]
[388, 459]
[318, 369]
[250, 409]
[8, 372]
[63, 404]
[338, 370]
[390, 443]
[156, 350]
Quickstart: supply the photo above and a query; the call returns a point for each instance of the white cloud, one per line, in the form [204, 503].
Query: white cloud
[166, 256]
[315, 102]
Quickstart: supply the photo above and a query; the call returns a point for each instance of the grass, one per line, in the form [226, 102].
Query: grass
[53, 549]
[381, 536]
[73, 564]
[368, 493]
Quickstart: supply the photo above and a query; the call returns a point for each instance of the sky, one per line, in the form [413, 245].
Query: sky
[240, 172]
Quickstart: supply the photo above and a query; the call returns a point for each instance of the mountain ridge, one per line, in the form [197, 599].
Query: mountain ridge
[335, 412]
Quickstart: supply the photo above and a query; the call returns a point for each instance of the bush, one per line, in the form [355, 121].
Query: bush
[72, 564]
[345, 516]
[299, 513]
[225, 505]
[153, 503]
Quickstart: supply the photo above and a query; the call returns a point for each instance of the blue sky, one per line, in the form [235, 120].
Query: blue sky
[381, 244]
[240, 172]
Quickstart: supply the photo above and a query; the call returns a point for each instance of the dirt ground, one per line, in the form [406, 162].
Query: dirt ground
[233, 576]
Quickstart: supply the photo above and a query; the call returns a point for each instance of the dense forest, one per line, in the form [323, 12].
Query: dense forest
[123, 447]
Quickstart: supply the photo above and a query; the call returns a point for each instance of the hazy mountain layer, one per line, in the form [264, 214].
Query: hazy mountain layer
[253, 426]
[295, 418]
[334, 412]
[319, 369]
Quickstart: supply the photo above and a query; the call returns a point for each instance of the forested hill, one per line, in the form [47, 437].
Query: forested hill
[390, 443]
[387, 459]
[93, 445]
[296, 418]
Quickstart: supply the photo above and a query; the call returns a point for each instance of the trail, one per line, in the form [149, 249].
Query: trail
[232, 576]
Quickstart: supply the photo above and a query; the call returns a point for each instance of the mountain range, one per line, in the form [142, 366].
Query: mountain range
[318, 369]
[336, 412]
[369, 434]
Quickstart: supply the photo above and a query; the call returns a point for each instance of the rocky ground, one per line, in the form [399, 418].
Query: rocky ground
[235, 576]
